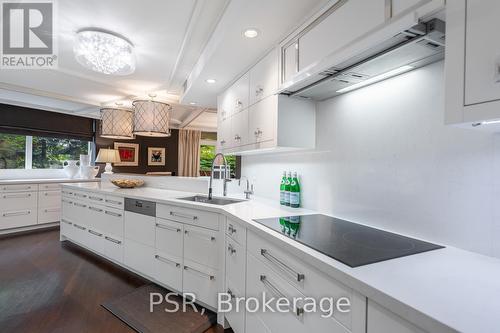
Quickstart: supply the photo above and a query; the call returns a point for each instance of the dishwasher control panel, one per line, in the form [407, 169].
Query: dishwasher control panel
[143, 207]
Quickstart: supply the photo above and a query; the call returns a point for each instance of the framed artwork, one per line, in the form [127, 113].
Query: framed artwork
[156, 156]
[129, 154]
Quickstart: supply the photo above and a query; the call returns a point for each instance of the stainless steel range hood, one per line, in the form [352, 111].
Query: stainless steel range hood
[413, 48]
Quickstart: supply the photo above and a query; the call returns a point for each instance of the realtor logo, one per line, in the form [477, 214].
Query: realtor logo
[28, 36]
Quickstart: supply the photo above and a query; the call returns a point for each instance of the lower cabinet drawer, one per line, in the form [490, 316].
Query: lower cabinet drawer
[111, 221]
[201, 281]
[96, 240]
[236, 317]
[48, 215]
[139, 228]
[168, 270]
[200, 245]
[49, 198]
[81, 234]
[18, 201]
[67, 229]
[138, 256]
[235, 264]
[169, 237]
[113, 247]
[114, 202]
[190, 216]
[17, 218]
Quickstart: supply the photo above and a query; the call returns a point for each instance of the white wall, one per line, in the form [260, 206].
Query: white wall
[385, 158]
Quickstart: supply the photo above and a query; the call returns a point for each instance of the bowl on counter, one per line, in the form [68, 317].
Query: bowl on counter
[127, 183]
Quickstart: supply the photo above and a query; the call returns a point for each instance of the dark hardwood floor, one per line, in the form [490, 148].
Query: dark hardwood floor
[49, 286]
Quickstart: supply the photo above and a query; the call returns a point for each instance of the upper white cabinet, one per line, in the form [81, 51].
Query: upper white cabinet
[344, 22]
[472, 62]
[264, 78]
[262, 119]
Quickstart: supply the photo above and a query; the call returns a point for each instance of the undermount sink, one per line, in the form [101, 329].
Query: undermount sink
[213, 201]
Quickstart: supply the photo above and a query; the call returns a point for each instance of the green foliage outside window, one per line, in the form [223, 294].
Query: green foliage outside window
[12, 149]
[50, 153]
[207, 154]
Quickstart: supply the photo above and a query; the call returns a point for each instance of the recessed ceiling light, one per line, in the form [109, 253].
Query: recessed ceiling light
[251, 33]
[211, 81]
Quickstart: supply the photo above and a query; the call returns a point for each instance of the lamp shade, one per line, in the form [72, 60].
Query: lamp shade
[151, 118]
[116, 124]
[108, 156]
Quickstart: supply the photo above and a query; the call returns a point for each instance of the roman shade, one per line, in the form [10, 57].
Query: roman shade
[27, 121]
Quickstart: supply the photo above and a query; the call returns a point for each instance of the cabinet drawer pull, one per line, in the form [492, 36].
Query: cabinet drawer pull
[166, 227]
[95, 233]
[67, 201]
[67, 222]
[114, 202]
[167, 261]
[112, 240]
[66, 192]
[6, 188]
[272, 259]
[230, 293]
[210, 277]
[231, 229]
[52, 210]
[80, 195]
[26, 212]
[96, 209]
[199, 235]
[231, 249]
[298, 311]
[184, 216]
[52, 194]
[95, 198]
[259, 91]
[237, 137]
[112, 214]
[79, 226]
[16, 196]
[79, 205]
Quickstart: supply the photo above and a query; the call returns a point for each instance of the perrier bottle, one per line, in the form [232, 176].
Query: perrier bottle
[294, 192]
[283, 189]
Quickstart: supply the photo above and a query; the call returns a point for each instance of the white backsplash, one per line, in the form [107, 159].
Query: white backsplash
[385, 158]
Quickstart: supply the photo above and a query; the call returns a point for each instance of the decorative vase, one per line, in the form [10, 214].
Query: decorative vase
[71, 168]
[88, 171]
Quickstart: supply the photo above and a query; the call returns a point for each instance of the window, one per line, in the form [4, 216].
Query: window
[12, 151]
[207, 154]
[27, 152]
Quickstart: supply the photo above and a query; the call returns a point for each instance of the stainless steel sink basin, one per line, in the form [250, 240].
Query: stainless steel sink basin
[213, 201]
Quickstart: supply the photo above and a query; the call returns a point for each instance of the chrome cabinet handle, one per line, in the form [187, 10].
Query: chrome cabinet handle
[96, 209]
[53, 210]
[210, 277]
[259, 90]
[239, 103]
[79, 205]
[237, 137]
[265, 253]
[79, 226]
[114, 202]
[95, 233]
[231, 229]
[231, 249]
[298, 311]
[65, 221]
[166, 227]
[26, 212]
[112, 240]
[6, 188]
[192, 217]
[167, 261]
[222, 142]
[16, 196]
[112, 214]
[258, 132]
[67, 201]
[80, 195]
[230, 293]
[66, 192]
[95, 198]
[51, 194]
[199, 235]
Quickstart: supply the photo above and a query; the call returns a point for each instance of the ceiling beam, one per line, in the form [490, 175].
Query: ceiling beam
[192, 117]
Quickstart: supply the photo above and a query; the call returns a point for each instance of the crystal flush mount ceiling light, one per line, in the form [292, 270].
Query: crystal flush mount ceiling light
[151, 118]
[104, 52]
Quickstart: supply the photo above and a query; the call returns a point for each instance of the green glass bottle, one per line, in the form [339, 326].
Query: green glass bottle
[287, 188]
[282, 189]
[294, 192]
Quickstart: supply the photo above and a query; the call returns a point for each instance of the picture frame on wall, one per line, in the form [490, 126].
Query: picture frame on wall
[156, 156]
[129, 153]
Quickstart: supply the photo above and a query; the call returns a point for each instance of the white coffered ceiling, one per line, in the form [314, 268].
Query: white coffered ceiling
[173, 39]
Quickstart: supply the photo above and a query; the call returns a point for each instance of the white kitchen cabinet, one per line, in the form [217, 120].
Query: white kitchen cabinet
[339, 26]
[139, 257]
[140, 228]
[235, 265]
[381, 320]
[113, 247]
[114, 201]
[400, 6]
[239, 94]
[49, 198]
[472, 71]
[169, 237]
[264, 78]
[262, 120]
[67, 229]
[223, 134]
[49, 214]
[19, 188]
[18, 200]
[15, 218]
[201, 246]
[112, 221]
[239, 130]
[191, 216]
[289, 60]
[236, 232]
[202, 281]
[168, 270]
[236, 317]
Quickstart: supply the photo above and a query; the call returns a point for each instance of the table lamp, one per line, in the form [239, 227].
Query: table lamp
[108, 156]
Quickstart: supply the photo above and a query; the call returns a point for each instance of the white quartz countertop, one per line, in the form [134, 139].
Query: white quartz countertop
[445, 290]
[45, 181]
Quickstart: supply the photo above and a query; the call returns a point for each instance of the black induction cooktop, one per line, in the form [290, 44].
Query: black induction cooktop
[350, 243]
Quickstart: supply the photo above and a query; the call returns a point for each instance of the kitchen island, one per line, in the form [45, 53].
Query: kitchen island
[205, 249]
